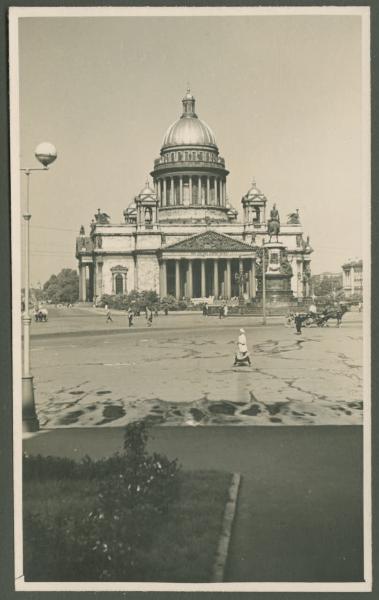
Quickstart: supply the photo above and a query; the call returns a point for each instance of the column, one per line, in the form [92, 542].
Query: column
[99, 279]
[125, 282]
[223, 193]
[215, 278]
[163, 279]
[299, 282]
[199, 191]
[190, 189]
[181, 190]
[94, 283]
[177, 279]
[172, 192]
[90, 286]
[228, 274]
[208, 198]
[190, 278]
[252, 280]
[203, 290]
[352, 280]
[240, 264]
[82, 283]
[135, 272]
[156, 188]
[164, 203]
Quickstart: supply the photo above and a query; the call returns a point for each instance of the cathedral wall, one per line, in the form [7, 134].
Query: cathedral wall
[118, 242]
[148, 272]
[148, 241]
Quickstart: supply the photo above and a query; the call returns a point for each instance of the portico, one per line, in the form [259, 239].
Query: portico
[206, 265]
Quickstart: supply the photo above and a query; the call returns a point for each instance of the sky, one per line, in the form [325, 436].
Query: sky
[281, 93]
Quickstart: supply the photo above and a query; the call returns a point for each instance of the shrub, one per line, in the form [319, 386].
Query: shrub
[138, 301]
[108, 538]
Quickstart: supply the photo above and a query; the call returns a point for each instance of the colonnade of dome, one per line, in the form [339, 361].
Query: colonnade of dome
[189, 171]
[190, 190]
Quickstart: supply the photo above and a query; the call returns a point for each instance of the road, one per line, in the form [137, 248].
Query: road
[179, 372]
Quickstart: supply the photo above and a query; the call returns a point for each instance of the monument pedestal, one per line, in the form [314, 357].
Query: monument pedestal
[278, 275]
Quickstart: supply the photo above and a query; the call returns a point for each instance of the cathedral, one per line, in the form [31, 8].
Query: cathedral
[181, 236]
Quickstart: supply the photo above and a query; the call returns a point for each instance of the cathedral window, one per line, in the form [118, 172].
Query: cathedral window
[119, 284]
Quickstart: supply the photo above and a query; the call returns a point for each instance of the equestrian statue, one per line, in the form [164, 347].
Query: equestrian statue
[273, 225]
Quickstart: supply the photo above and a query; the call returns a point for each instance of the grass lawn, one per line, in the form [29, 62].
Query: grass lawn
[183, 545]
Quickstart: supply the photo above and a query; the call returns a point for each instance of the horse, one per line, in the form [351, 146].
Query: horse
[41, 315]
[273, 228]
[333, 313]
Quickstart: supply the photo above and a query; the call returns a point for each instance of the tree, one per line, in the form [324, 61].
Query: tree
[327, 286]
[63, 287]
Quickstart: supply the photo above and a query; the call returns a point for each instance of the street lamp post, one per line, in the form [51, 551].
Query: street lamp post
[264, 320]
[46, 154]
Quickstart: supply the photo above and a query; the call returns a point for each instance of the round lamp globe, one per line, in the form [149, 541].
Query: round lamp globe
[46, 153]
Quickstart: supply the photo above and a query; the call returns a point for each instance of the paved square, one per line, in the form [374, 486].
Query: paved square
[179, 372]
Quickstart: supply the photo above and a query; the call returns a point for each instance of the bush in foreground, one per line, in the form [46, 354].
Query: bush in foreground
[104, 533]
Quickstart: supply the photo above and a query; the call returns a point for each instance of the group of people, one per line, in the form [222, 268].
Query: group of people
[222, 310]
[149, 314]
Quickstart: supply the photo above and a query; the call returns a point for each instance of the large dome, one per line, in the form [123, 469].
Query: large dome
[189, 130]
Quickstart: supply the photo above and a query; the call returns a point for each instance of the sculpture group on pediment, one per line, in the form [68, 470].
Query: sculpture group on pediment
[102, 218]
[293, 218]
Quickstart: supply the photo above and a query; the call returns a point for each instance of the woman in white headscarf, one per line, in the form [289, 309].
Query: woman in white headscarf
[242, 355]
[242, 343]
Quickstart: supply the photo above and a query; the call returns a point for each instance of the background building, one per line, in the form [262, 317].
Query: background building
[352, 277]
[182, 237]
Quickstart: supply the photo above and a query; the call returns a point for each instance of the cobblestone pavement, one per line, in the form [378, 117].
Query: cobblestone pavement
[179, 372]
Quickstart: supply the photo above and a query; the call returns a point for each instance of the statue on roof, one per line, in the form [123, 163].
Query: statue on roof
[294, 218]
[273, 225]
[82, 230]
[102, 218]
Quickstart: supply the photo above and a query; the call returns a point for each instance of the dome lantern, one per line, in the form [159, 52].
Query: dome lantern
[188, 105]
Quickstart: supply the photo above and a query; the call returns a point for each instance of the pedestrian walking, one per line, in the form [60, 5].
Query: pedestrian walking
[220, 312]
[130, 317]
[298, 323]
[242, 356]
[225, 310]
[109, 317]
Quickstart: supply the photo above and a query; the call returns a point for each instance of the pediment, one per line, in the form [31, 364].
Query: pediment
[209, 241]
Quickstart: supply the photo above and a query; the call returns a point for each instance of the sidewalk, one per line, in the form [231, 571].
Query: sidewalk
[299, 515]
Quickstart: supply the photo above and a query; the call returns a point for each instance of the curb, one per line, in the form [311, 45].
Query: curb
[226, 531]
